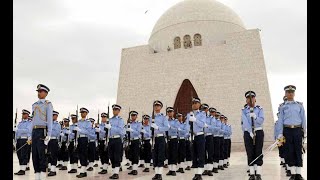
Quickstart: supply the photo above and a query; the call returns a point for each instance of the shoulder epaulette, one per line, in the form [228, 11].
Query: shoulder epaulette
[299, 102]
[47, 102]
[259, 107]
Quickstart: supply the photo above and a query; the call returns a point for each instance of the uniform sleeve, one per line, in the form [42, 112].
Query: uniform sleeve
[246, 125]
[280, 122]
[165, 124]
[136, 132]
[304, 122]
[230, 130]
[185, 129]
[92, 133]
[49, 118]
[200, 121]
[260, 117]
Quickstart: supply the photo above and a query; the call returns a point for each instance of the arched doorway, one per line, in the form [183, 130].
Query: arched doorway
[184, 97]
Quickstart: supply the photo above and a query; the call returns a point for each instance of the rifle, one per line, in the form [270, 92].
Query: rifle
[15, 125]
[106, 129]
[167, 132]
[98, 125]
[252, 120]
[60, 137]
[191, 123]
[152, 129]
[75, 133]
[128, 126]
[142, 135]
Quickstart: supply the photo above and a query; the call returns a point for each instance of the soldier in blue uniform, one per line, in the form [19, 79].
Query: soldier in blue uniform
[22, 134]
[226, 134]
[216, 135]
[41, 131]
[198, 118]
[134, 130]
[160, 126]
[292, 125]
[221, 142]
[53, 146]
[253, 134]
[183, 130]
[83, 130]
[189, 153]
[116, 132]
[172, 142]
[146, 142]
[227, 140]
[72, 148]
[103, 149]
[208, 130]
[92, 137]
[64, 144]
[29, 147]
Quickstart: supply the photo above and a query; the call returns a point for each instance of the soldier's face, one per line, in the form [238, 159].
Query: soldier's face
[170, 113]
[290, 94]
[133, 117]
[253, 100]
[42, 94]
[180, 118]
[66, 123]
[25, 116]
[104, 119]
[83, 114]
[157, 107]
[195, 105]
[55, 117]
[74, 120]
[213, 114]
[116, 112]
[146, 121]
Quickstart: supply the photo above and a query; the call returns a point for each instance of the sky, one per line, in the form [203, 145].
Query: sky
[74, 47]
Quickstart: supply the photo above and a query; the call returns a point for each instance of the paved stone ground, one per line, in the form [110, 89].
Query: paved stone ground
[236, 171]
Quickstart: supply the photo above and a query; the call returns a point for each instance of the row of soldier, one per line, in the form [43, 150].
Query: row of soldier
[210, 144]
[208, 154]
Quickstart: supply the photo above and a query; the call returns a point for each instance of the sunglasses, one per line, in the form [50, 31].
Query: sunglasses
[290, 91]
[195, 102]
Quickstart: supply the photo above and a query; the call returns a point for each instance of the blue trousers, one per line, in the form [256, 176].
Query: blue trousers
[293, 146]
[159, 152]
[199, 151]
[38, 150]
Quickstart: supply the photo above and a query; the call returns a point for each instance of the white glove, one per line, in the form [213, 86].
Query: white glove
[61, 134]
[179, 129]
[206, 125]
[97, 129]
[143, 131]
[46, 140]
[251, 134]
[108, 126]
[279, 136]
[68, 132]
[192, 119]
[253, 115]
[15, 129]
[154, 126]
[129, 129]
[77, 129]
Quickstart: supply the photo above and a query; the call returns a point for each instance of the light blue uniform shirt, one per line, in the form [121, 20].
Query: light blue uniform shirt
[71, 135]
[136, 127]
[292, 113]
[92, 134]
[42, 114]
[245, 117]
[65, 137]
[56, 129]
[276, 130]
[85, 126]
[217, 127]
[198, 125]
[23, 129]
[102, 133]
[173, 129]
[210, 123]
[226, 129]
[117, 126]
[184, 129]
[162, 122]
[147, 128]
